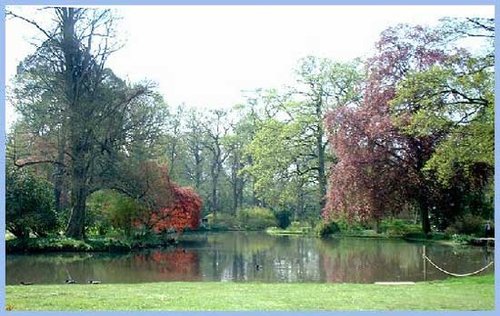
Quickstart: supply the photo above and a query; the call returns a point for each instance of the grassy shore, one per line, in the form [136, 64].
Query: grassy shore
[95, 244]
[472, 293]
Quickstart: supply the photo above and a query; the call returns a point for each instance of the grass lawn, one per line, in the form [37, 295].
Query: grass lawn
[472, 293]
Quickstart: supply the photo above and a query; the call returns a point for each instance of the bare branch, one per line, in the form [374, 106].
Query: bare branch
[49, 36]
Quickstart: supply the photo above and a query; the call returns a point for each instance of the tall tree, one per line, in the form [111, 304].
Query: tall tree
[375, 158]
[94, 117]
[194, 144]
[325, 85]
[291, 128]
[234, 145]
[455, 99]
[215, 127]
[382, 158]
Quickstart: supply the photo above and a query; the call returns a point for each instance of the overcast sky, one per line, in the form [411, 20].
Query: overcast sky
[205, 56]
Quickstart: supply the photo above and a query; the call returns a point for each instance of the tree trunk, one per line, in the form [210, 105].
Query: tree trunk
[58, 188]
[320, 148]
[215, 179]
[79, 193]
[426, 224]
[235, 182]
[235, 197]
[77, 120]
[377, 225]
[240, 193]
[423, 194]
[58, 176]
[424, 213]
[198, 168]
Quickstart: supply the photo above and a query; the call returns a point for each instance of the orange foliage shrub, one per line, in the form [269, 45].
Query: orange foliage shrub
[184, 212]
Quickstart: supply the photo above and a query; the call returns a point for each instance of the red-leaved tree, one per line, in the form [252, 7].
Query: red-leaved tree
[184, 212]
[379, 167]
[166, 206]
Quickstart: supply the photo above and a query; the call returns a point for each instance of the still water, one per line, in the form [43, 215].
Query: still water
[252, 256]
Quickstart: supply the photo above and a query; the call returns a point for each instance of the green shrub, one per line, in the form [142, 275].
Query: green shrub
[346, 225]
[468, 224]
[109, 210]
[220, 226]
[30, 205]
[222, 221]
[46, 244]
[256, 218]
[62, 244]
[368, 233]
[398, 227]
[283, 219]
[450, 231]
[440, 236]
[461, 239]
[324, 229]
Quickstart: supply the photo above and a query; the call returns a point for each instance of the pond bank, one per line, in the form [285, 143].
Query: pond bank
[438, 238]
[117, 245]
[63, 244]
[471, 293]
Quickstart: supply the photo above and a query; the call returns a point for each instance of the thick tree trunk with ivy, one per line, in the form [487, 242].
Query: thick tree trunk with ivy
[79, 194]
[74, 75]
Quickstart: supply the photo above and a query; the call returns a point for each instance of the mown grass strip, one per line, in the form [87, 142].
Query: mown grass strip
[472, 293]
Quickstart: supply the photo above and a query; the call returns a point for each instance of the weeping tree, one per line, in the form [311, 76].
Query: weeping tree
[86, 120]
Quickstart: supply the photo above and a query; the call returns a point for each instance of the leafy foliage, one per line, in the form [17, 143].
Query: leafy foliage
[256, 218]
[63, 244]
[425, 102]
[184, 212]
[29, 204]
[84, 120]
[468, 224]
[324, 229]
[411, 132]
[110, 210]
[283, 219]
[398, 227]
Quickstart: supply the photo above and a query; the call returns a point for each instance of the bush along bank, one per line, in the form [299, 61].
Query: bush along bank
[397, 228]
[63, 244]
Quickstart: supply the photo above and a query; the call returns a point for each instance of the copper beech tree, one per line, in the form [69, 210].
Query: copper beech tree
[382, 154]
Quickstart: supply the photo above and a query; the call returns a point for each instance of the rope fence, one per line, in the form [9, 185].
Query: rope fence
[455, 274]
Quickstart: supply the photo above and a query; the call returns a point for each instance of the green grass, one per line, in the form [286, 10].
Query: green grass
[275, 231]
[473, 293]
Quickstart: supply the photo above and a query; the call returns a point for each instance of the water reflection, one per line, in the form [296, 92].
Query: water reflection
[239, 256]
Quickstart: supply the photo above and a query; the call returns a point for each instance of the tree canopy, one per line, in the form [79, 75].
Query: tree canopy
[408, 130]
[426, 118]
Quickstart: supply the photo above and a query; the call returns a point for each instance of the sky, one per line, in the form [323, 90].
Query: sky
[212, 56]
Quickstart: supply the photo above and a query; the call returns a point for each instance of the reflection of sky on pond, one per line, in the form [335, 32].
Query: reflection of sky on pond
[253, 256]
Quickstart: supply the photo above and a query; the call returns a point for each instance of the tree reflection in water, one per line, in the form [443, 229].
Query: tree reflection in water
[253, 257]
[175, 265]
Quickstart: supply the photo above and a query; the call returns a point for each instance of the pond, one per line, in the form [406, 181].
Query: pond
[254, 257]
